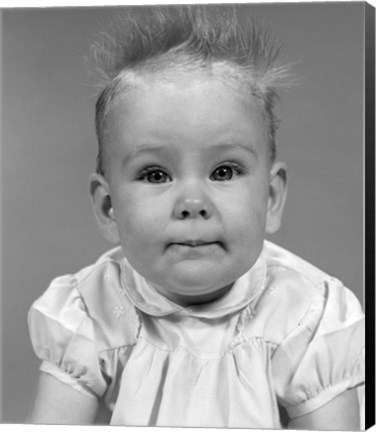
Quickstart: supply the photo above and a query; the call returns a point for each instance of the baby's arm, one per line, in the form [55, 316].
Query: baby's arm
[341, 413]
[57, 403]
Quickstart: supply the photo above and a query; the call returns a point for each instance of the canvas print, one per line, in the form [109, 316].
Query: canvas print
[183, 216]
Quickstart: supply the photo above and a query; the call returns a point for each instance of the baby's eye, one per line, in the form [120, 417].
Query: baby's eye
[154, 175]
[225, 172]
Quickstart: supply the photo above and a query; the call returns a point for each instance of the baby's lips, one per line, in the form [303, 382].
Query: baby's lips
[195, 242]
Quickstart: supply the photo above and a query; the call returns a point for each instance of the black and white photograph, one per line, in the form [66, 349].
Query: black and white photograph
[183, 213]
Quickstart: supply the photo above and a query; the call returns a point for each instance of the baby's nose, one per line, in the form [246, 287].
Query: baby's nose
[191, 207]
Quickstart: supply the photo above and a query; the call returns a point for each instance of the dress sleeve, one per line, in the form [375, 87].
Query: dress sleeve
[323, 355]
[63, 337]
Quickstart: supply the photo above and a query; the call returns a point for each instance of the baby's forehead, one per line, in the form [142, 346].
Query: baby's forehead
[166, 83]
[190, 111]
[205, 115]
[186, 74]
[169, 88]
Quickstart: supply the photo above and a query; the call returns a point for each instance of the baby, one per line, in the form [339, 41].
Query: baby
[194, 319]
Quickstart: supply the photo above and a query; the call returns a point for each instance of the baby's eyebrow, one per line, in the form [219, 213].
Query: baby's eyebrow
[231, 146]
[143, 149]
[155, 149]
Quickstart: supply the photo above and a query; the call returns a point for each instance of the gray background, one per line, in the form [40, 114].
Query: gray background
[49, 149]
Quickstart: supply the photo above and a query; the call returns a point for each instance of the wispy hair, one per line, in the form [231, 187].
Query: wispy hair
[221, 40]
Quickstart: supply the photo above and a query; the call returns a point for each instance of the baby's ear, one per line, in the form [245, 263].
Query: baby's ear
[102, 207]
[277, 197]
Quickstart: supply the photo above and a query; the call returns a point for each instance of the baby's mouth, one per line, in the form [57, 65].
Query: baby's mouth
[196, 244]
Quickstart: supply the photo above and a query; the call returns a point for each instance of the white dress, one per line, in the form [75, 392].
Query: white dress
[286, 335]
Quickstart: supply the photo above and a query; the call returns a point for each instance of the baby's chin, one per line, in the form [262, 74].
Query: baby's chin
[187, 289]
[192, 297]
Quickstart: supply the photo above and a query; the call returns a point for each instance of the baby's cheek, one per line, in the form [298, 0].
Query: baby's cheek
[248, 229]
[245, 213]
[141, 228]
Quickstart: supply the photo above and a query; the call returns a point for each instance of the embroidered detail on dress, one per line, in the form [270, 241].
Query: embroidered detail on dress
[122, 291]
[273, 290]
[118, 311]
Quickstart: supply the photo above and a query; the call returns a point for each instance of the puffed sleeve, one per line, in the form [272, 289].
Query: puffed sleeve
[62, 335]
[324, 354]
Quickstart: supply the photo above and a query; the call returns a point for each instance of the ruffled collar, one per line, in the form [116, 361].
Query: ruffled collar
[150, 301]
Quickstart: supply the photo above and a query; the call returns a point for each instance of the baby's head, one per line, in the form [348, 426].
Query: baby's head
[187, 178]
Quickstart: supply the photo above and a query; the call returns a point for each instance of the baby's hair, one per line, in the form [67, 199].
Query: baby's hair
[220, 41]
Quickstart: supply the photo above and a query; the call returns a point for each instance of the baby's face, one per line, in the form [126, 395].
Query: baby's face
[189, 180]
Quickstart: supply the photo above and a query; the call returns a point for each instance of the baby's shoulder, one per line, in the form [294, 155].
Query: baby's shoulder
[292, 277]
[278, 257]
[293, 290]
[92, 298]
